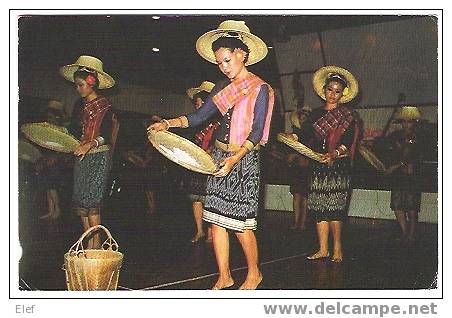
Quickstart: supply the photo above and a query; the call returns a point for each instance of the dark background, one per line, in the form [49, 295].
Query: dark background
[129, 40]
[124, 43]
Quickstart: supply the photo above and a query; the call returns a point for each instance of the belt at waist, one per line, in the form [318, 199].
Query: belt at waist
[102, 148]
[231, 147]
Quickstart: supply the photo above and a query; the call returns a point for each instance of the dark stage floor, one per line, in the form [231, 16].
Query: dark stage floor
[158, 253]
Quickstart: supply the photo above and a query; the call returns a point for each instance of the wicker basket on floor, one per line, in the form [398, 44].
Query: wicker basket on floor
[93, 269]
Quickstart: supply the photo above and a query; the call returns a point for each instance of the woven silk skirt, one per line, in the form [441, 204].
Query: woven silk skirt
[329, 190]
[90, 180]
[232, 201]
[404, 200]
[298, 178]
[406, 193]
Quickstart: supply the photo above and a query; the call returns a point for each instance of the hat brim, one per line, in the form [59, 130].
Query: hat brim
[319, 77]
[258, 48]
[191, 92]
[105, 80]
[204, 87]
[408, 113]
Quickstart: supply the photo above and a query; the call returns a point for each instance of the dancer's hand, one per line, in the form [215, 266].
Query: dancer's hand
[82, 149]
[327, 158]
[226, 166]
[159, 126]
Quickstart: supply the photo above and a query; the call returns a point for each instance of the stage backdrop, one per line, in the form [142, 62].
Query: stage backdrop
[393, 62]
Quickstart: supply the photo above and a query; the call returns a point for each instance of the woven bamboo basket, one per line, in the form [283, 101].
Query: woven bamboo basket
[93, 269]
[182, 151]
[55, 138]
[371, 158]
[298, 146]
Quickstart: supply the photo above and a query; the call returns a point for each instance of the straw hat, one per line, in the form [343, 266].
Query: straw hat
[320, 76]
[232, 28]
[408, 113]
[56, 105]
[91, 63]
[295, 118]
[204, 87]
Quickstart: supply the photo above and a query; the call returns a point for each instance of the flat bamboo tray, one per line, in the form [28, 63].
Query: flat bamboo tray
[370, 157]
[55, 138]
[182, 151]
[298, 146]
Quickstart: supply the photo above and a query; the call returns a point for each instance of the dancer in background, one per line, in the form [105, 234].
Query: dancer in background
[332, 130]
[406, 153]
[196, 182]
[51, 165]
[298, 166]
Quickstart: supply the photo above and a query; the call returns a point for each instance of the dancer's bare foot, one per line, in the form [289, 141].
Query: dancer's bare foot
[46, 216]
[318, 255]
[198, 237]
[251, 283]
[55, 216]
[297, 227]
[337, 257]
[50, 216]
[223, 283]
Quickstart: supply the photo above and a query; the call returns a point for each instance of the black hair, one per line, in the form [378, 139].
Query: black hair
[230, 43]
[203, 95]
[335, 77]
[83, 74]
[55, 116]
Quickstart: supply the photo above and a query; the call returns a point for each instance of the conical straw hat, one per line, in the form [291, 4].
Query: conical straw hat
[204, 87]
[408, 113]
[231, 28]
[320, 76]
[91, 63]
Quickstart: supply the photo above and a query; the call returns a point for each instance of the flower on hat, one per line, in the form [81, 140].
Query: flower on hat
[332, 72]
[91, 80]
[89, 64]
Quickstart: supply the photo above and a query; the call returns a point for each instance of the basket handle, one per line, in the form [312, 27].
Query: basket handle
[109, 243]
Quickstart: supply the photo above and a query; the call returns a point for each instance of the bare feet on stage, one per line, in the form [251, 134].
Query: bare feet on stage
[223, 283]
[295, 227]
[337, 257]
[51, 216]
[318, 255]
[198, 237]
[251, 283]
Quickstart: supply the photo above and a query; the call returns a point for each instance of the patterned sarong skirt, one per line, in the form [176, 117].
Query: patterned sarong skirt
[232, 201]
[329, 190]
[406, 193]
[90, 180]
